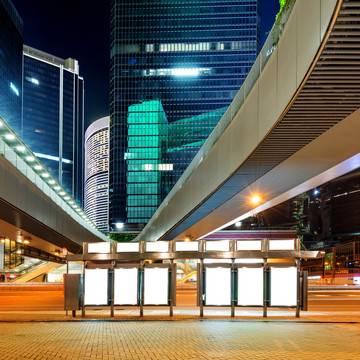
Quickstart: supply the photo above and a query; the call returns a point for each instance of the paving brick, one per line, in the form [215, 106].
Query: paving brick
[178, 340]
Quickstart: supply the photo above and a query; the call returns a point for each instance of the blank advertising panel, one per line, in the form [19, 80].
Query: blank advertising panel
[283, 286]
[101, 248]
[250, 286]
[156, 286]
[217, 286]
[96, 287]
[126, 286]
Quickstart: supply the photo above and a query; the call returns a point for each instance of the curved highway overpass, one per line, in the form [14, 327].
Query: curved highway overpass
[293, 125]
[33, 205]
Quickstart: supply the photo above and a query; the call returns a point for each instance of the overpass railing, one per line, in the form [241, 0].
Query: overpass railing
[230, 273]
[19, 155]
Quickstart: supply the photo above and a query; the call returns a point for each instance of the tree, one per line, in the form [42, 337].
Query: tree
[122, 237]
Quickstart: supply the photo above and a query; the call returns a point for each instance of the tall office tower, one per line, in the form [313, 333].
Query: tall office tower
[11, 43]
[53, 116]
[192, 56]
[96, 192]
[147, 138]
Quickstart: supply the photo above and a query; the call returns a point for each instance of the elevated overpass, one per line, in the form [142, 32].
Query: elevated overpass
[293, 125]
[34, 206]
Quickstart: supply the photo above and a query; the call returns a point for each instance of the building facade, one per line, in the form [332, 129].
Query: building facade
[53, 116]
[147, 139]
[11, 43]
[191, 56]
[96, 191]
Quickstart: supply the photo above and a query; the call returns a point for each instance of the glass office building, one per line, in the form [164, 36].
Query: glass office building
[53, 116]
[11, 42]
[96, 194]
[186, 136]
[147, 141]
[191, 56]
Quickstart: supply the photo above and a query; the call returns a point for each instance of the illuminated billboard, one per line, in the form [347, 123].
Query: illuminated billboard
[96, 287]
[100, 247]
[217, 286]
[156, 286]
[250, 286]
[126, 286]
[283, 286]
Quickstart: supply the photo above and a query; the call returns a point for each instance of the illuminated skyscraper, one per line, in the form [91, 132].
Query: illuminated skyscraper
[53, 116]
[11, 43]
[192, 57]
[96, 193]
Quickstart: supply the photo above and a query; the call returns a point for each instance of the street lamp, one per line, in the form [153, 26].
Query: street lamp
[256, 199]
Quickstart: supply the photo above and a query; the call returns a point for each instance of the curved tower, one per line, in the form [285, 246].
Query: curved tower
[96, 192]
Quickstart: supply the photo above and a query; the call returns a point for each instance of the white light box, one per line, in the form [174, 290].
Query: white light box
[217, 261]
[249, 261]
[248, 245]
[187, 246]
[157, 246]
[99, 248]
[217, 286]
[127, 247]
[96, 287]
[250, 286]
[126, 286]
[217, 245]
[156, 286]
[281, 244]
[283, 286]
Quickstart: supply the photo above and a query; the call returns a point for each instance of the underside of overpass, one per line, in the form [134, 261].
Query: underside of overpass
[31, 209]
[315, 67]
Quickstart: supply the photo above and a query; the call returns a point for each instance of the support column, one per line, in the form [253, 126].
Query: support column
[304, 291]
[233, 288]
[172, 287]
[141, 271]
[265, 299]
[297, 313]
[201, 276]
[112, 271]
[67, 272]
[83, 290]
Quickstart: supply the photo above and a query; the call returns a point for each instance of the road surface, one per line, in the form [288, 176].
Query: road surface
[326, 300]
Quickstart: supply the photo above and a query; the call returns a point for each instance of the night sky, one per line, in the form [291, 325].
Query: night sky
[81, 29]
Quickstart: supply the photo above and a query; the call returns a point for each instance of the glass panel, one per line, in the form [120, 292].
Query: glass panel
[126, 286]
[218, 286]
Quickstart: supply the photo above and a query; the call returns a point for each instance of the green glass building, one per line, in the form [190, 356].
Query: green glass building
[147, 141]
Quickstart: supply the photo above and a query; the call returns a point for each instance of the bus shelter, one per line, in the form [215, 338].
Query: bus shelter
[261, 273]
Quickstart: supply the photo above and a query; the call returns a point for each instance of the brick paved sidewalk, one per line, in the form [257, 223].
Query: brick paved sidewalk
[178, 340]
